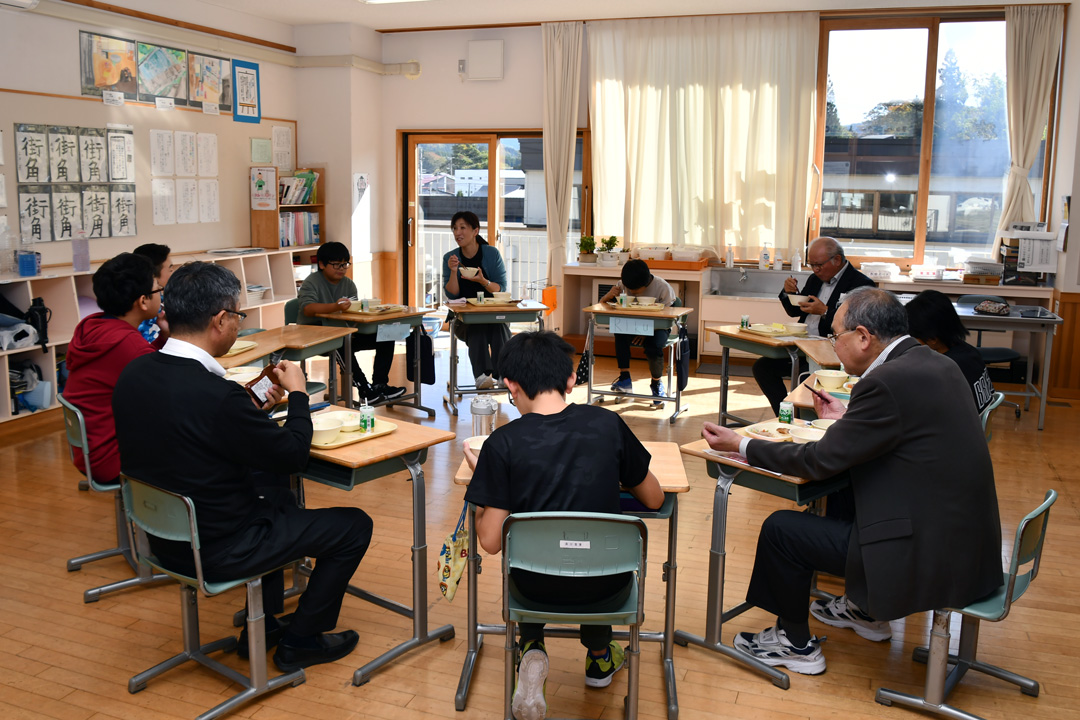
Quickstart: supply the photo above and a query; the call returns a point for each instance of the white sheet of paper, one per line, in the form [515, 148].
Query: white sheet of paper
[208, 154]
[210, 108]
[3, 192]
[392, 332]
[1062, 230]
[92, 157]
[209, 206]
[186, 164]
[63, 155]
[187, 201]
[162, 153]
[1037, 256]
[122, 210]
[31, 157]
[163, 194]
[165, 103]
[283, 149]
[1, 147]
[121, 157]
[112, 97]
[631, 326]
[95, 202]
[67, 211]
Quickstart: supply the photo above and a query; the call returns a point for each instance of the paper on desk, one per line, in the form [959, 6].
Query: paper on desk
[740, 459]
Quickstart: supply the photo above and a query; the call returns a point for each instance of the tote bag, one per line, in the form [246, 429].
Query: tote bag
[453, 556]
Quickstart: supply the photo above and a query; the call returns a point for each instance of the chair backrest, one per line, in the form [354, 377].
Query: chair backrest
[574, 544]
[976, 299]
[292, 310]
[75, 427]
[163, 514]
[249, 331]
[988, 412]
[1027, 550]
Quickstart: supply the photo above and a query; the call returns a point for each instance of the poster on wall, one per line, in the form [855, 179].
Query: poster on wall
[163, 197]
[263, 188]
[187, 201]
[67, 211]
[107, 63]
[63, 154]
[186, 154]
[92, 155]
[208, 155]
[121, 156]
[209, 204]
[122, 210]
[246, 88]
[35, 213]
[162, 160]
[210, 81]
[163, 72]
[95, 210]
[31, 153]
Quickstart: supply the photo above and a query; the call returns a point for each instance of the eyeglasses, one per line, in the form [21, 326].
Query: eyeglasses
[817, 266]
[155, 292]
[339, 265]
[833, 337]
[243, 316]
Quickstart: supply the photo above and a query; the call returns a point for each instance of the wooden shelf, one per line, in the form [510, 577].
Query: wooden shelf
[266, 224]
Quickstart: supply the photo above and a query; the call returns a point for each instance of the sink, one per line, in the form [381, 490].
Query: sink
[757, 283]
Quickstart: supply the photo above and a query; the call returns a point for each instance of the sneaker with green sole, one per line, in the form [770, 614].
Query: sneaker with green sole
[599, 670]
[529, 701]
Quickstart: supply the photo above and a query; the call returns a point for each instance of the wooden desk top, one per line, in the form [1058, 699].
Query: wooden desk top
[666, 464]
[801, 397]
[352, 317]
[736, 332]
[291, 336]
[408, 438]
[527, 305]
[668, 313]
[701, 449]
[820, 350]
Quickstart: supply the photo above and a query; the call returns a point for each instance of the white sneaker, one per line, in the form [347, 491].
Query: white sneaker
[842, 613]
[772, 647]
[484, 382]
[529, 702]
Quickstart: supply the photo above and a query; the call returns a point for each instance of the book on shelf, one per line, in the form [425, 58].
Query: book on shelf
[300, 189]
[298, 228]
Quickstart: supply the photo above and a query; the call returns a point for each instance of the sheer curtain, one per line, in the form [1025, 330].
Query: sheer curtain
[1032, 44]
[562, 85]
[703, 129]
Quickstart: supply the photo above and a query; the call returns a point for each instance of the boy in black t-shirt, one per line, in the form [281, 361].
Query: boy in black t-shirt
[556, 457]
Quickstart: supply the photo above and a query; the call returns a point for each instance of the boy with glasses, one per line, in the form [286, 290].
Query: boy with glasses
[329, 291]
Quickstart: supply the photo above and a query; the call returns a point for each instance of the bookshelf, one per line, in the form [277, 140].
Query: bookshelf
[266, 225]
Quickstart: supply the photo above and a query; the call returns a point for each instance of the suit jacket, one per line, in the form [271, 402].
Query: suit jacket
[847, 282]
[184, 429]
[926, 532]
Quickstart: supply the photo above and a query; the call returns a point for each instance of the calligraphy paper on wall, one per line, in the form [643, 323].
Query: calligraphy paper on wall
[121, 156]
[95, 210]
[122, 210]
[63, 154]
[31, 153]
[35, 213]
[92, 155]
[67, 211]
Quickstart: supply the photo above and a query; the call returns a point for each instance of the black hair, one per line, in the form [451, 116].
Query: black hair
[636, 274]
[197, 292]
[332, 252]
[931, 316]
[155, 253]
[121, 281]
[538, 362]
[876, 310]
[471, 220]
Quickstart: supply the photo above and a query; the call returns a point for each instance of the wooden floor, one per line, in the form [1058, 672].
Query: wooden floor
[60, 658]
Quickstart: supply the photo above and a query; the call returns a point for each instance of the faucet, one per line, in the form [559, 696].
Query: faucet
[743, 277]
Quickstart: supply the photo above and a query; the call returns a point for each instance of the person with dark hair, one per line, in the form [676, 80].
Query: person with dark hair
[637, 280]
[101, 347]
[233, 461]
[331, 290]
[932, 320]
[833, 276]
[460, 281]
[159, 257]
[925, 532]
[556, 457]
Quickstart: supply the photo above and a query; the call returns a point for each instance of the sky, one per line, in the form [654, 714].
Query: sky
[859, 85]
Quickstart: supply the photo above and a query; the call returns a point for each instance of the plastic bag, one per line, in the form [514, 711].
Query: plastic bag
[453, 556]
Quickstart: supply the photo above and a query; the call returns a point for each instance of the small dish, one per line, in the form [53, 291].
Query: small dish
[468, 272]
[350, 421]
[797, 299]
[850, 384]
[325, 429]
[823, 423]
[795, 328]
[803, 435]
[501, 296]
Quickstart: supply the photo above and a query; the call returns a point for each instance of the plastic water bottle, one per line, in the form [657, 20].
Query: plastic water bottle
[796, 263]
[729, 259]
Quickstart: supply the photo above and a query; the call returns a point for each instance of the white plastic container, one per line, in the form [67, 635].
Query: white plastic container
[763, 259]
[880, 270]
[729, 258]
[926, 272]
[796, 263]
[685, 254]
[653, 253]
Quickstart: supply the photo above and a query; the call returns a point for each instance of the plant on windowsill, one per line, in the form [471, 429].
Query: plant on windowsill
[609, 256]
[587, 250]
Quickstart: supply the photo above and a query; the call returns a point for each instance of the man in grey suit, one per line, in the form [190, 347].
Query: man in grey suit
[925, 531]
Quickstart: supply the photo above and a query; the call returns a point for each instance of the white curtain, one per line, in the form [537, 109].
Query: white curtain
[1032, 44]
[562, 86]
[703, 129]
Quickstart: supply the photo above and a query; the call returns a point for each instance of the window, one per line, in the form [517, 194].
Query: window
[904, 178]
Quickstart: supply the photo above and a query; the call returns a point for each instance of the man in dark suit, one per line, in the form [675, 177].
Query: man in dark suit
[833, 277]
[184, 428]
[925, 532]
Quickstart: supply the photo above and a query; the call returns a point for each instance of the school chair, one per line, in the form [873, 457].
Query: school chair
[292, 309]
[170, 516]
[569, 545]
[988, 412]
[75, 427]
[1027, 552]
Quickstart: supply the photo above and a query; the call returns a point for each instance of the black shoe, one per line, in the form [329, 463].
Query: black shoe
[329, 647]
[273, 635]
[370, 393]
[388, 391]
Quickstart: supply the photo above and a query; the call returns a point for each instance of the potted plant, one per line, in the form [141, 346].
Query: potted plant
[608, 255]
[587, 250]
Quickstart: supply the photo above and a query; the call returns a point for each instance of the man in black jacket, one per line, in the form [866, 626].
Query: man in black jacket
[833, 277]
[184, 428]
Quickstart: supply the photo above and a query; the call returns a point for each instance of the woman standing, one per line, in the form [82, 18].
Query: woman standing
[484, 341]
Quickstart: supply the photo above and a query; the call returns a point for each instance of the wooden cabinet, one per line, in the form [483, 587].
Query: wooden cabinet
[268, 227]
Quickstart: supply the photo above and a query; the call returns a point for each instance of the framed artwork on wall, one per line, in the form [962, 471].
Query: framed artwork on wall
[246, 91]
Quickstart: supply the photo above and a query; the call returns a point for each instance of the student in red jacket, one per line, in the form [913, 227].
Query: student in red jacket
[103, 344]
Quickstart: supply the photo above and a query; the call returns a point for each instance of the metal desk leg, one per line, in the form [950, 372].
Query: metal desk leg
[793, 353]
[413, 399]
[451, 387]
[1048, 348]
[472, 632]
[725, 364]
[419, 581]
[667, 656]
[715, 615]
[674, 383]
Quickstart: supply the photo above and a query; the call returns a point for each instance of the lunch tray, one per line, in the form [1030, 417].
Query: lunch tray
[769, 331]
[382, 427]
[241, 346]
[492, 302]
[655, 307]
[379, 310]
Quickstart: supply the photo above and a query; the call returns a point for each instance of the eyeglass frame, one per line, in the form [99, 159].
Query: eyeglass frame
[243, 315]
[817, 266]
[339, 264]
[833, 337]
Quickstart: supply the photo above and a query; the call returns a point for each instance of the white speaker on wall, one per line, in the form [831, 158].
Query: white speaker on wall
[18, 4]
[485, 60]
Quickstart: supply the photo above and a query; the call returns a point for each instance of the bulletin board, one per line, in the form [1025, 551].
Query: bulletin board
[234, 149]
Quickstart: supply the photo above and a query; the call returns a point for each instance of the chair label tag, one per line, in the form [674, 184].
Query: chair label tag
[631, 326]
[580, 544]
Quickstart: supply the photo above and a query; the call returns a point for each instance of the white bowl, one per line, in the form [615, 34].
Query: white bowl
[350, 421]
[501, 296]
[326, 429]
[831, 379]
[468, 272]
[476, 442]
[823, 423]
[795, 328]
[850, 384]
[796, 299]
[645, 300]
[803, 435]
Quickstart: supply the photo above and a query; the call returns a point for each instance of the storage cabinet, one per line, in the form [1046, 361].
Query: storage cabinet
[266, 227]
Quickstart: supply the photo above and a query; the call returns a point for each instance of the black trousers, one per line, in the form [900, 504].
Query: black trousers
[384, 358]
[773, 376]
[485, 343]
[653, 345]
[575, 594]
[791, 547]
[336, 537]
